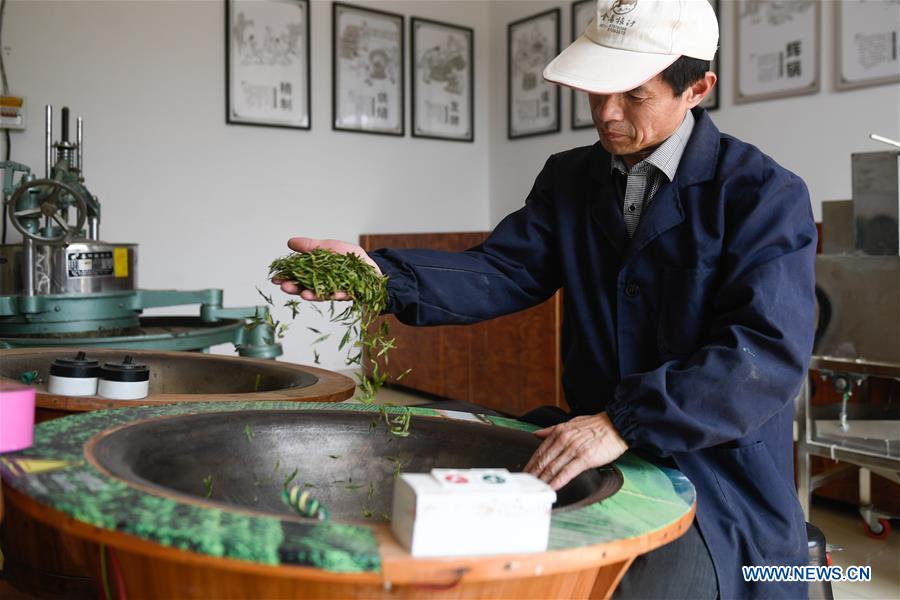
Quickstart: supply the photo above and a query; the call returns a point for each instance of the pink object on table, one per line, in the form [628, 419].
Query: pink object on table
[16, 416]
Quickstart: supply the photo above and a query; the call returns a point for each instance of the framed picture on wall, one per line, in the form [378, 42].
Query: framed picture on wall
[777, 49]
[367, 70]
[711, 102]
[443, 80]
[867, 43]
[267, 63]
[583, 12]
[532, 103]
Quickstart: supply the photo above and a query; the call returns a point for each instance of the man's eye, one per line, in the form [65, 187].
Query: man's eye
[635, 97]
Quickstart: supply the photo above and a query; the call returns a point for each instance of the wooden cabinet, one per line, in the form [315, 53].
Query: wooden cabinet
[510, 364]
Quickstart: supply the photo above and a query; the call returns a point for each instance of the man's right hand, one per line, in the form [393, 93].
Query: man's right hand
[301, 244]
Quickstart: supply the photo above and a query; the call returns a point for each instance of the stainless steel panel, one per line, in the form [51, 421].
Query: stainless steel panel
[79, 268]
[876, 202]
[880, 437]
[837, 227]
[859, 307]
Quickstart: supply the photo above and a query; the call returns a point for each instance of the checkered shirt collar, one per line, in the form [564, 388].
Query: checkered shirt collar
[667, 156]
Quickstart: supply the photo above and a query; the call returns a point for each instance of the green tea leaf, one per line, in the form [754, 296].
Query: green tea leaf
[289, 478]
[366, 334]
[268, 298]
[294, 305]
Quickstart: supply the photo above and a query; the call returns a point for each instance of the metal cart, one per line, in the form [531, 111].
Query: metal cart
[863, 435]
[858, 336]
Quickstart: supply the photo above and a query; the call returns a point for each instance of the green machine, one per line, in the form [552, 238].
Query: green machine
[63, 286]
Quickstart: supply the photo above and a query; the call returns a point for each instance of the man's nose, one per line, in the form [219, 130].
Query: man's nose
[609, 108]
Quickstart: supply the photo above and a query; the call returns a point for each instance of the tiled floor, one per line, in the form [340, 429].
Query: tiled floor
[843, 527]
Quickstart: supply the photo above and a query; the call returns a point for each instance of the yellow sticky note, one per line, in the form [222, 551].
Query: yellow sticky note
[120, 262]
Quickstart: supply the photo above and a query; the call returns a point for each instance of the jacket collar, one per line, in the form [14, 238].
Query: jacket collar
[667, 156]
[698, 164]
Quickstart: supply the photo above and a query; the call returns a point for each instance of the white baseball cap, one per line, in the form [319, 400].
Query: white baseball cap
[631, 41]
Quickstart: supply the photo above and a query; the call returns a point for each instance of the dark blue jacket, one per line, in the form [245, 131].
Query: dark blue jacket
[694, 336]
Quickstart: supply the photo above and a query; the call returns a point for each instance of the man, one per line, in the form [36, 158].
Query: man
[686, 257]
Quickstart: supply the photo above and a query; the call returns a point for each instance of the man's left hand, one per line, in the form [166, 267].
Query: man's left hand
[573, 447]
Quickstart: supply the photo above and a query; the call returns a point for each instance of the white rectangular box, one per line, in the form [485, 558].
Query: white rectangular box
[453, 512]
[12, 111]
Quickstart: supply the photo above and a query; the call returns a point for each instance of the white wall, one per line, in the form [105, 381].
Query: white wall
[811, 135]
[212, 204]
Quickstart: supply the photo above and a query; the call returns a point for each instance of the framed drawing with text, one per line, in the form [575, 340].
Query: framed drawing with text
[777, 49]
[367, 70]
[867, 43]
[532, 103]
[442, 72]
[267, 63]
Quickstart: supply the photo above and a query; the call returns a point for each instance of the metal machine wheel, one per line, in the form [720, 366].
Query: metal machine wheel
[879, 530]
[876, 523]
[50, 206]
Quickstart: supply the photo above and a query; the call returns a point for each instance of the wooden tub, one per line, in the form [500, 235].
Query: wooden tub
[151, 533]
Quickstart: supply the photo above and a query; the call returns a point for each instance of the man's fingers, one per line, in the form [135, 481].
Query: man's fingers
[311, 295]
[545, 432]
[573, 447]
[556, 466]
[545, 453]
[572, 443]
[302, 244]
[531, 462]
[568, 473]
[550, 451]
[290, 287]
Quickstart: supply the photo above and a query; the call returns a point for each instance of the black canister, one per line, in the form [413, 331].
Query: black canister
[126, 380]
[74, 376]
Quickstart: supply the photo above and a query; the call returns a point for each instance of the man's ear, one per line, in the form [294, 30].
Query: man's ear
[698, 91]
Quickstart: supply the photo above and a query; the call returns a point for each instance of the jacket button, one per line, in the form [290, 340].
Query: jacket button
[632, 289]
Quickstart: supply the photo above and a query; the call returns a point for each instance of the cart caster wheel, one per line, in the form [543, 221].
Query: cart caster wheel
[885, 526]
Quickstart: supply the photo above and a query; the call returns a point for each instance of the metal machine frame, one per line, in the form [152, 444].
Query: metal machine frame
[62, 286]
[858, 336]
[869, 462]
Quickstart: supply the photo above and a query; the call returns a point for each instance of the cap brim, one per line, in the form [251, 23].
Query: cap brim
[590, 67]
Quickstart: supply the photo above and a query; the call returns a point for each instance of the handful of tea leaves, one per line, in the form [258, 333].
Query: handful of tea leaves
[326, 273]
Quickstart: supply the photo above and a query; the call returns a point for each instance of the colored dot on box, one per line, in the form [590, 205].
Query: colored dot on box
[456, 478]
[493, 479]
